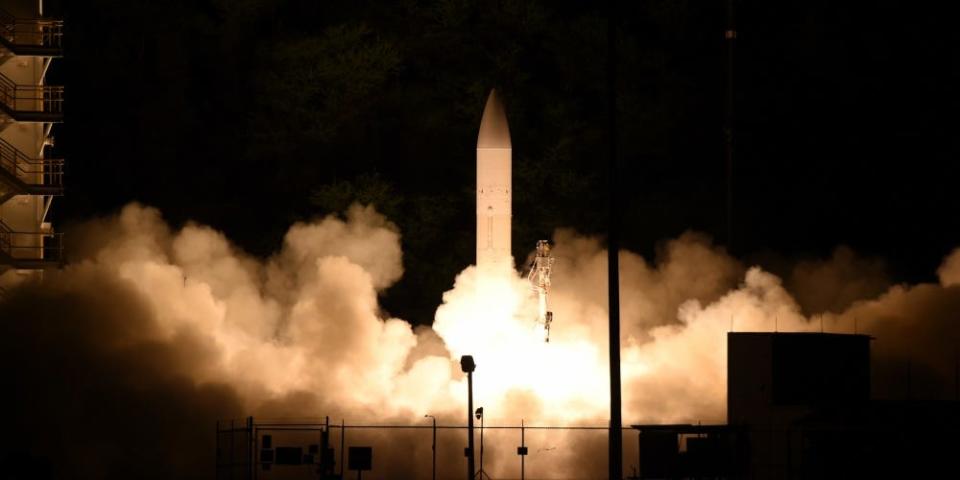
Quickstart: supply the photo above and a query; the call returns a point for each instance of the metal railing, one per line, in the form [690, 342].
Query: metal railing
[39, 32]
[31, 98]
[24, 247]
[46, 172]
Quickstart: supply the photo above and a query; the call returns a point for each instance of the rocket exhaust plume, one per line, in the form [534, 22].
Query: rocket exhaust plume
[128, 355]
[494, 182]
[182, 325]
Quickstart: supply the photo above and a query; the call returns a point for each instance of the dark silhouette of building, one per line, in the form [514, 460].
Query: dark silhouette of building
[692, 451]
[798, 407]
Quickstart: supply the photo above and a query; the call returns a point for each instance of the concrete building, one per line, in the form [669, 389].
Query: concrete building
[29, 179]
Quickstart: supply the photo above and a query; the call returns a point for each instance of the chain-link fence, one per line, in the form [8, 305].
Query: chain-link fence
[288, 449]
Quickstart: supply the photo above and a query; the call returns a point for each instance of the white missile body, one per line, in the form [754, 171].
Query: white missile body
[494, 189]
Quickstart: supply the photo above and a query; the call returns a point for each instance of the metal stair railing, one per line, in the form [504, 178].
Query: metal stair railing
[44, 172]
[31, 98]
[39, 32]
[6, 239]
[17, 247]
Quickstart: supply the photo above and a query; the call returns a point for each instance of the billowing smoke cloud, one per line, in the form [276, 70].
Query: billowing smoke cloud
[835, 284]
[151, 335]
[127, 357]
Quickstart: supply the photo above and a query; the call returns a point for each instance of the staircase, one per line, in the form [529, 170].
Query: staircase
[31, 103]
[30, 250]
[27, 48]
[22, 175]
[31, 36]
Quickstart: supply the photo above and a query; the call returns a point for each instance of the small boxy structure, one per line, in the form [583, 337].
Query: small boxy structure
[691, 451]
[360, 459]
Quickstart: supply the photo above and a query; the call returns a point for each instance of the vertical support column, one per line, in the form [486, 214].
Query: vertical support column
[523, 451]
[470, 460]
[232, 449]
[252, 447]
[615, 457]
[216, 475]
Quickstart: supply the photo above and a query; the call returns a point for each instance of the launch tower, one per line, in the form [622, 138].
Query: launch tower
[540, 271]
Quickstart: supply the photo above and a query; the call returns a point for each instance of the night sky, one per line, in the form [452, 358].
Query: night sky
[250, 115]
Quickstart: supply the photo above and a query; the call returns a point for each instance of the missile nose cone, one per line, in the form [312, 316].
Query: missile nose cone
[494, 130]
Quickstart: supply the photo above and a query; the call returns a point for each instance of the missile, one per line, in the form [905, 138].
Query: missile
[494, 184]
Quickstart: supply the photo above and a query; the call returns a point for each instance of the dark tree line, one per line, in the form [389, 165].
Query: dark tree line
[249, 115]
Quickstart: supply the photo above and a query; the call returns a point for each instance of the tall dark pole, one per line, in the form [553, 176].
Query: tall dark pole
[523, 444]
[481, 447]
[470, 465]
[433, 447]
[729, 35]
[253, 445]
[613, 250]
[468, 366]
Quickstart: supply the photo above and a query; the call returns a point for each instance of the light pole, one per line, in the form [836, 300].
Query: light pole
[522, 451]
[467, 365]
[479, 413]
[433, 446]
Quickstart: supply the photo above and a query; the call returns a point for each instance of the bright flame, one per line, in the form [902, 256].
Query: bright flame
[493, 317]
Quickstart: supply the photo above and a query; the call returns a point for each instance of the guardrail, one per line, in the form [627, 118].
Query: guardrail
[46, 172]
[39, 32]
[31, 98]
[31, 247]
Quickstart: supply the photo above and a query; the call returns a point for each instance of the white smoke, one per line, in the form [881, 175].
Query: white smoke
[301, 334]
